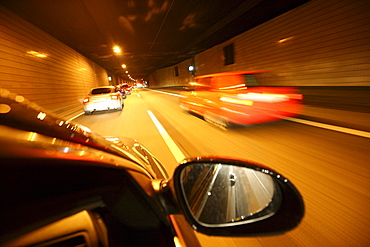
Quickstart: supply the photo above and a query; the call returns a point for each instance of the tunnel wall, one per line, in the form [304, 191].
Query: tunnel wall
[57, 82]
[320, 43]
[169, 77]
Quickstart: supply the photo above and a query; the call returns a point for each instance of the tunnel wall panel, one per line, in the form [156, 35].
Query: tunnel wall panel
[327, 43]
[167, 76]
[57, 82]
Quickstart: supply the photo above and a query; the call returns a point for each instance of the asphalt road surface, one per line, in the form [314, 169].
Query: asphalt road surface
[330, 169]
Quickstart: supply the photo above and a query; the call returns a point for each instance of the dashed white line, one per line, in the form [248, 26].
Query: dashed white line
[175, 150]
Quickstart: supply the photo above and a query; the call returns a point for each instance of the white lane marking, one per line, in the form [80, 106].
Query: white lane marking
[175, 150]
[76, 116]
[177, 95]
[331, 127]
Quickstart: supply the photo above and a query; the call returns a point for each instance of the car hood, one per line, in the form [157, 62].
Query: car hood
[18, 112]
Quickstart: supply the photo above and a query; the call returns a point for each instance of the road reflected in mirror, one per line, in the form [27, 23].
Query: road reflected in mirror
[219, 194]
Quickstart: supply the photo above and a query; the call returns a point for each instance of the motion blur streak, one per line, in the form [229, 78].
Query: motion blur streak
[331, 169]
[302, 121]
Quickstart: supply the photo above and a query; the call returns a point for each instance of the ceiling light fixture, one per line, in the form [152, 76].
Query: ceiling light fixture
[36, 54]
[116, 49]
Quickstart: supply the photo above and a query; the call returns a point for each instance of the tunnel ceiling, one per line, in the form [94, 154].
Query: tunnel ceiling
[152, 34]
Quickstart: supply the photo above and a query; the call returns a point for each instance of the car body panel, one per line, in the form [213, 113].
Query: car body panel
[40, 192]
[53, 170]
[38, 123]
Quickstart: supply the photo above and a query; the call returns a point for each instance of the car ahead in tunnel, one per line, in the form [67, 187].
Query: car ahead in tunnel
[63, 185]
[240, 98]
[103, 98]
[126, 88]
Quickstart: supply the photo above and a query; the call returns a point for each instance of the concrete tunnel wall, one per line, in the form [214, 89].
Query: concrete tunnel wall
[57, 82]
[327, 43]
[320, 43]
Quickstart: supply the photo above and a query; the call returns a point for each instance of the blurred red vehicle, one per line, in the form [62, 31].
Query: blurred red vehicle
[240, 98]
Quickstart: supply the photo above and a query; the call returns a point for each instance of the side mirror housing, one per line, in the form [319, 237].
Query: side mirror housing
[228, 197]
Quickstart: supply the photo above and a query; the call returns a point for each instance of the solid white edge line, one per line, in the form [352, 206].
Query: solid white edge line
[173, 94]
[176, 152]
[331, 127]
[75, 116]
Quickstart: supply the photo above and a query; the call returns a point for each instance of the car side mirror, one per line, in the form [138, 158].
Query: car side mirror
[229, 197]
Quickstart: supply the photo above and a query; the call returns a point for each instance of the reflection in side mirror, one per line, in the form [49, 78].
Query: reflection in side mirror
[219, 194]
[232, 197]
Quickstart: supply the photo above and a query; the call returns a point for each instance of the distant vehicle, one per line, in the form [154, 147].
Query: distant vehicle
[63, 185]
[229, 98]
[140, 83]
[126, 88]
[103, 98]
[121, 91]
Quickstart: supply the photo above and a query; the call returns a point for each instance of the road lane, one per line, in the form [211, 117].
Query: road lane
[329, 168]
[133, 122]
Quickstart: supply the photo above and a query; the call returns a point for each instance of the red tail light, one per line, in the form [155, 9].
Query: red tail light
[86, 100]
[114, 97]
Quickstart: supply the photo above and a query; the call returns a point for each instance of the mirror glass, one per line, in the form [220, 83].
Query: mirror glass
[229, 194]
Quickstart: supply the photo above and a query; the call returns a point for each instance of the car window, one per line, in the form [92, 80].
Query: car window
[101, 90]
[250, 80]
[229, 82]
[203, 84]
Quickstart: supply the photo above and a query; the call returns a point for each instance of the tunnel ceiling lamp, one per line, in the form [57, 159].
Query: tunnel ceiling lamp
[36, 54]
[116, 49]
[285, 40]
[124, 66]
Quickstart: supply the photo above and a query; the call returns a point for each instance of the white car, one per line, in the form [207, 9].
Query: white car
[103, 98]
